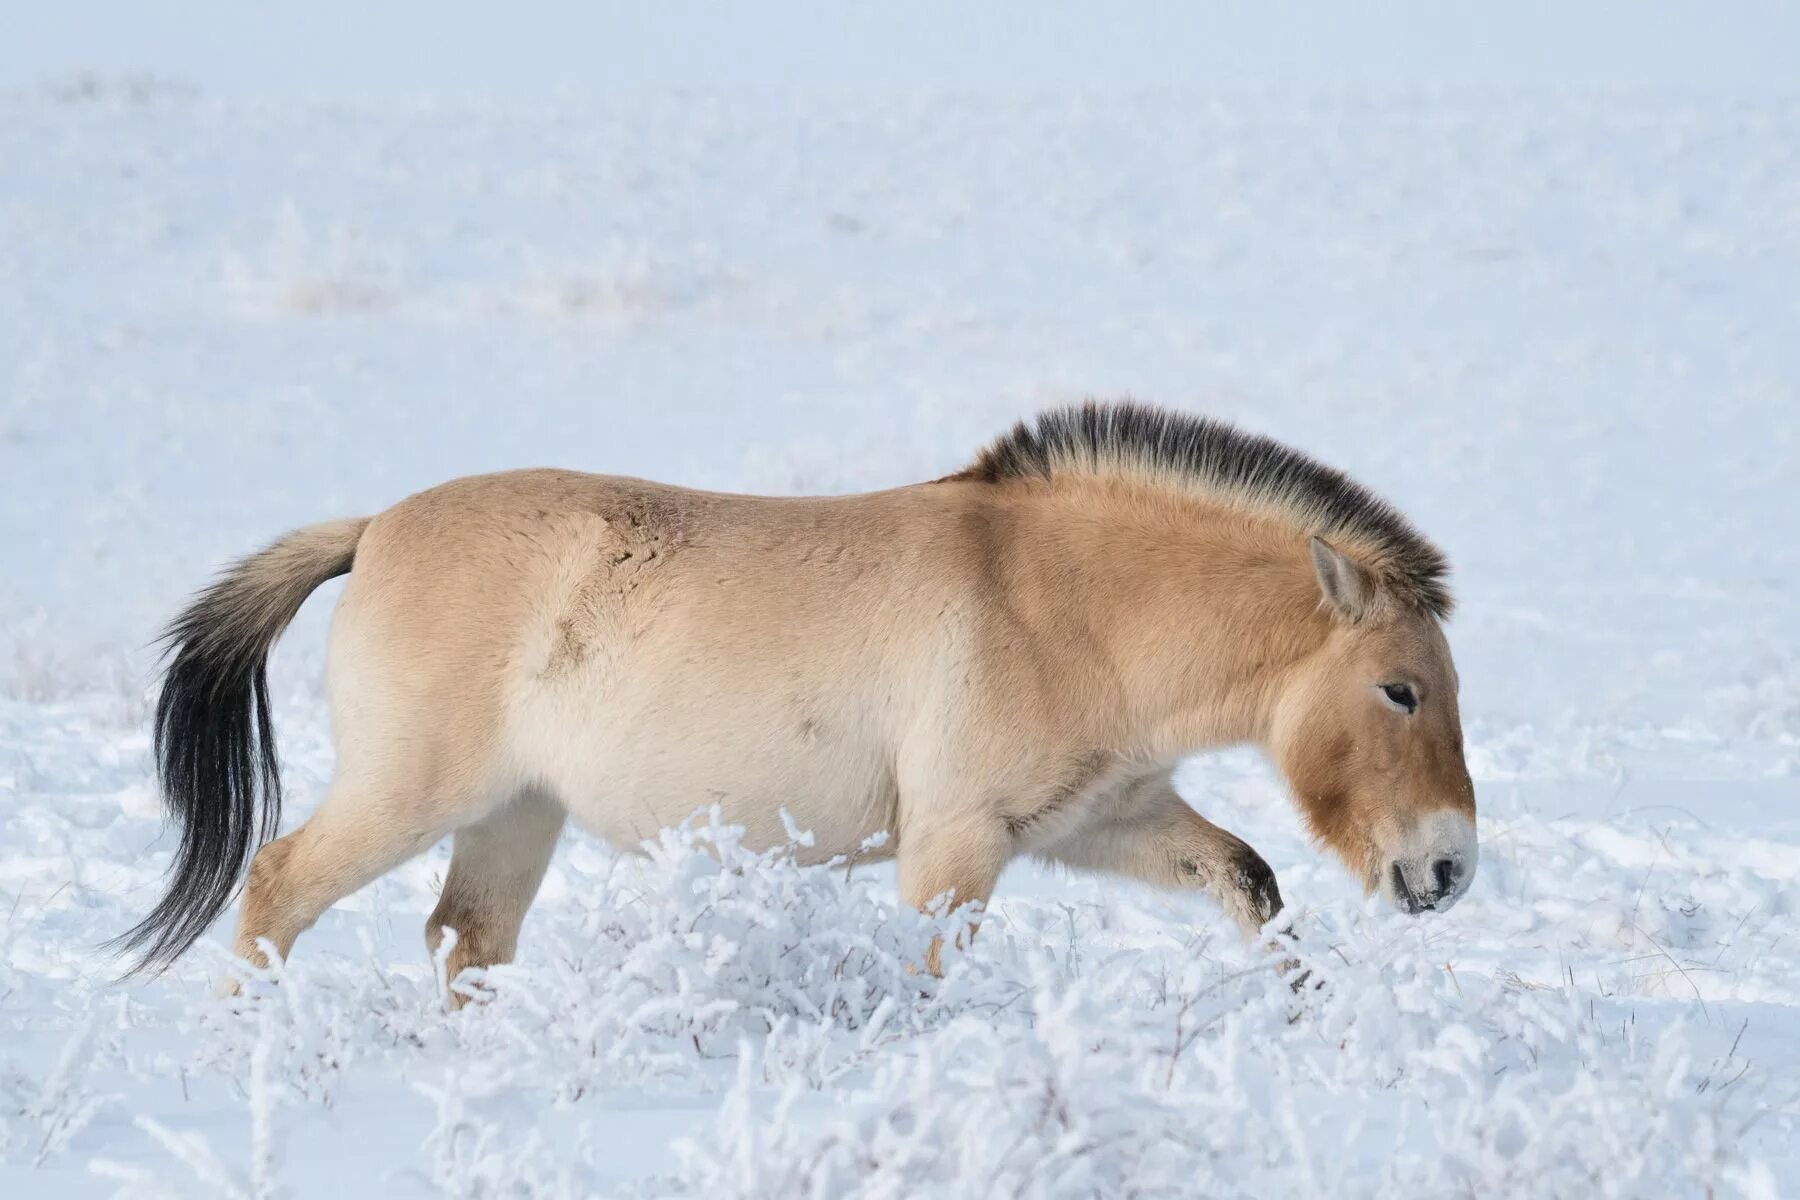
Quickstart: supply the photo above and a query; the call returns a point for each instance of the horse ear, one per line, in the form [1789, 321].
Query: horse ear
[1349, 587]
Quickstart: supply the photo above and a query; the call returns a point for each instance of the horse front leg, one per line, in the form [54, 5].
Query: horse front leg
[1154, 836]
[953, 859]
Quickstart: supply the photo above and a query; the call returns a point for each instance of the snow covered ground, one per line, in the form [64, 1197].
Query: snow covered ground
[1557, 325]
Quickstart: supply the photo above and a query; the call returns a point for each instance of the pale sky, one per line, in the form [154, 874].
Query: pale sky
[408, 47]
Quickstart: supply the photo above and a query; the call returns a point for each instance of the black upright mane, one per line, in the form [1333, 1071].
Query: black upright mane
[1220, 459]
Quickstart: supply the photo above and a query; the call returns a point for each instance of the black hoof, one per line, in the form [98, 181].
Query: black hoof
[1257, 882]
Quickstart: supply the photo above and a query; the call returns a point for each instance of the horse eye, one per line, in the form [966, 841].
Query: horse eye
[1400, 695]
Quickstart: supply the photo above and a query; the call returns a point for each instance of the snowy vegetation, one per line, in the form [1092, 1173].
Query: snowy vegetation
[1030, 1069]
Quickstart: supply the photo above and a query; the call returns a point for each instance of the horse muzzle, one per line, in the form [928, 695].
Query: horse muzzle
[1435, 867]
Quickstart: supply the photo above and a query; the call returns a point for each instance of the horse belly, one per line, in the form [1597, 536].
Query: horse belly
[628, 761]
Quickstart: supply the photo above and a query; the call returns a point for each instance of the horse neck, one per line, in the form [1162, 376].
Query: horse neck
[1200, 614]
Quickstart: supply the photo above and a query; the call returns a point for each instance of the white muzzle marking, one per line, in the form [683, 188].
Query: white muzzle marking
[1434, 864]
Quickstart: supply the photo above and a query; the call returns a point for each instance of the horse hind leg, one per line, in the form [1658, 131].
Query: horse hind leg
[360, 832]
[496, 866]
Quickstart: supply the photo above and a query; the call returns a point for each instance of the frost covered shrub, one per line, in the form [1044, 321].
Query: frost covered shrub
[673, 961]
[203, 1170]
[1633, 1124]
[1057, 1058]
[704, 945]
[1160, 1078]
[39, 1117]
[469, 1155]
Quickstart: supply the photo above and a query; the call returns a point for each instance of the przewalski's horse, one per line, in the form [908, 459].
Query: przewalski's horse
[1008, 661]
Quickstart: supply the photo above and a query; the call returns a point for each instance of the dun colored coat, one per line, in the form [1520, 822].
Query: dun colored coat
[1008, 661]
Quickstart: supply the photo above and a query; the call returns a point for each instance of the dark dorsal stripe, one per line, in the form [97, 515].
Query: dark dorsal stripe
[1139, 439]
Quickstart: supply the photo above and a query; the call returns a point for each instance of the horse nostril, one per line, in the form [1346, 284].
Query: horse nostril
[1444, 872]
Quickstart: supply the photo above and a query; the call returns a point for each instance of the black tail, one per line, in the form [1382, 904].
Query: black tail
[214, 740]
